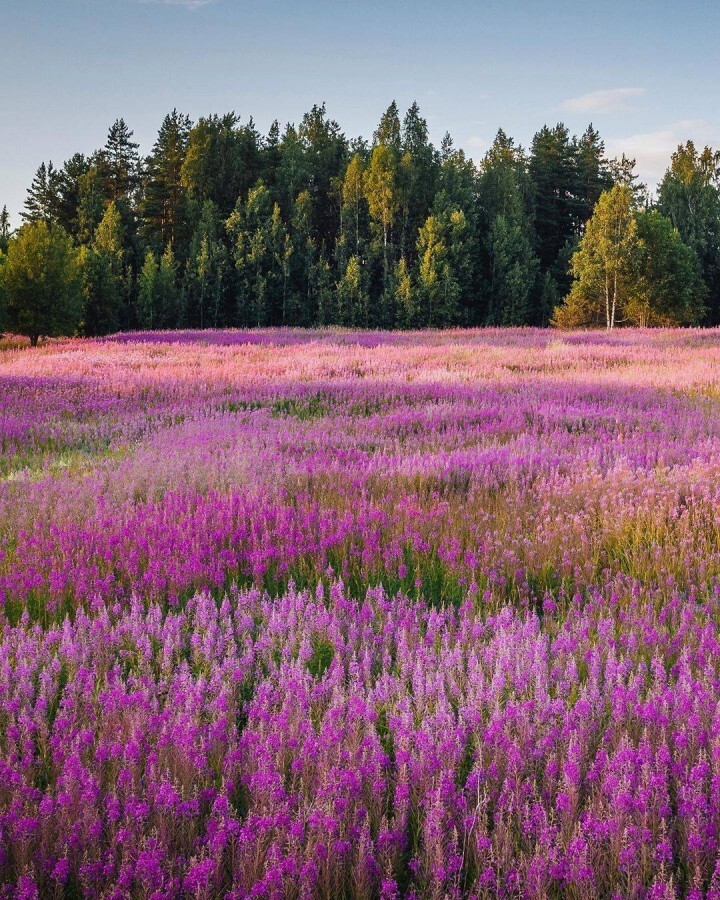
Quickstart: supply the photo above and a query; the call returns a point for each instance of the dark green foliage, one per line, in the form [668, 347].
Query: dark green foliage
[164, 207]
[322, 655]
[689, 196]
[43, 199]
[220, 226]
[41, 283]
[119, 163]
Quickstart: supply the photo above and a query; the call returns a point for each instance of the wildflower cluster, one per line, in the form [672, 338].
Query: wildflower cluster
[292, 615]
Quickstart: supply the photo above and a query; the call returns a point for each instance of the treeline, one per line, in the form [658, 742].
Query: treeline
[222, 226]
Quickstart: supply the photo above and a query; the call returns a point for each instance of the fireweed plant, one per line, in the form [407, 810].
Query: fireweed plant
[296, 614]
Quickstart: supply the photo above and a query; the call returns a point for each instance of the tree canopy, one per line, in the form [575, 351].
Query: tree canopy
[41, 280]
[631, 267]
[220, 225]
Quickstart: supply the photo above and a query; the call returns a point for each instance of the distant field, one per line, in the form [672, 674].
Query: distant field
[337, 614]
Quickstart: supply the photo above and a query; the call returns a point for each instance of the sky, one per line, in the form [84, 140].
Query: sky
[645, 72]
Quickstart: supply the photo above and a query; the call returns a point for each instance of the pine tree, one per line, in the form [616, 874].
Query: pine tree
[70, 179]
[387, 133]
[593, 174]
[418, 174]
[91, 204]
[302, 262]
[507, 235]
[324, 292]
[324, 159]
[261, 252]
[119, 163]
[553, 171]
[293, 171]
[164, 207]
[43, 197]
[167, 296]
[222, 161]
[514, 270]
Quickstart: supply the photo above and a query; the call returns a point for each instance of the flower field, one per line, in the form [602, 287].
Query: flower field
[330, 614]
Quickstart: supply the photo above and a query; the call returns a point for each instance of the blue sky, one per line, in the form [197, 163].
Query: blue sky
[646, 73]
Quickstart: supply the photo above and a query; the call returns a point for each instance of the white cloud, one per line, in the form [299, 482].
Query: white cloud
[612, 100]
[653, 149]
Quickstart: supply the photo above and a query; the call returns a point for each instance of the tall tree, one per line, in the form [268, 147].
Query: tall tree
[70, 179]
[158, 295]
[353, 210]
[593, 174]
[438, 289]
[603, 266]
[553, 169]
[261, 251]
[206, 282]
[382, 197]
[324, 150]
[119, 163]
[388, 131]
[303, 263]
[91, 204]
[667, 288]
[418, 173]
[689, 195]
[222, 161]
[43, 197]
[513, 274]
[507, 259]
[164, 206]
[147, 311]
[101, 293]
[42, 283]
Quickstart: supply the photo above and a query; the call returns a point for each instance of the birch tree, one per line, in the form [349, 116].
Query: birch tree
[602, 267]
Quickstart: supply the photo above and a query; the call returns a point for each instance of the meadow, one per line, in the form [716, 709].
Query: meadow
[337, 614]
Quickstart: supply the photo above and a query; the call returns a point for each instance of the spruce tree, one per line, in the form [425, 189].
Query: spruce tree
[43, 197]
[164, 206]
[119, 163]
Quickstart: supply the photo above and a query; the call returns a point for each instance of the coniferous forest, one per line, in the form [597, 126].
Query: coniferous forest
[221, 226]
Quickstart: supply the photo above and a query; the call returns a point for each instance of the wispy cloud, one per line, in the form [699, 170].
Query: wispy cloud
[653, 149]
[612, 100]
[186, 4]
[476, 146]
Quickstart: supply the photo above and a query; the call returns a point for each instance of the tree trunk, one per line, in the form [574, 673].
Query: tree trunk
[607, 302]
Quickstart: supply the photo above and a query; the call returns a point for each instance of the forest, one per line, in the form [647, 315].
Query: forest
[221, 226]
